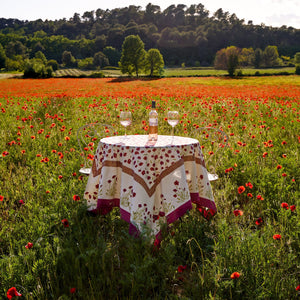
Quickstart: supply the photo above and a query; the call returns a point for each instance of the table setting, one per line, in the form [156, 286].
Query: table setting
[152, 179]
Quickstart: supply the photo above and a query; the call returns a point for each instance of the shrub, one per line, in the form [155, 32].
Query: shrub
[34, 68]
[297, 70]
[52, 63]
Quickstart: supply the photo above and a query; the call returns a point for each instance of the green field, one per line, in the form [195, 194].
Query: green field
[50, 248]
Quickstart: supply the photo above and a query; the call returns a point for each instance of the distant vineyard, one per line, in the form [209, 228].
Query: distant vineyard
[71, 73]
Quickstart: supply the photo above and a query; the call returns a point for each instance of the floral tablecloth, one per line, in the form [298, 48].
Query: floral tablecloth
[150, 182]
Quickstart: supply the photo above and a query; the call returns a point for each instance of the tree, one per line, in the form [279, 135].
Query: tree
[100, 60]
[258, 58]
[68, 59]
[113, 55]
[133, 55]
[2, 57]
[271, 56]
[228, 59]
[40, 55]
[154, 62]
[297, 58]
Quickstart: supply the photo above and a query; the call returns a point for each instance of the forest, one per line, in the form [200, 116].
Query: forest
[184, 35]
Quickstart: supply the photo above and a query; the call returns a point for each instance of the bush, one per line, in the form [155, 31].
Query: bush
[52, 63]
[34, 68]
[297, 70]
[97, 75]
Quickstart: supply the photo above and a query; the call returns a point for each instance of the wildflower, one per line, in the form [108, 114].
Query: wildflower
[276, 236]
[259, 221]
[65, 222]
[181, 268]
[293, 207]
[12, 292]
[1, 198]
[29, 245]
[241, 189]
[259, 197]
[72, 290]
[298, 288]
[249, 195]
[235, 275]
[284, 175]
[76, 198]
[283, 143]
[5, 153]
[60, 177]
[249, 185]
[47, 192]
[265, 154]
[238, 212]
[278, 167]
[21, 202]
[284, 205]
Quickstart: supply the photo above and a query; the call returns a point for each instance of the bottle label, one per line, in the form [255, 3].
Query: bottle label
[153, 122]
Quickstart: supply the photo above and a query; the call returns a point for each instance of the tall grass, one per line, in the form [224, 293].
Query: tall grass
[39, 165]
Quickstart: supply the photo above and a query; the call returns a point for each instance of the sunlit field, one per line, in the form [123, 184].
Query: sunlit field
[50, 248]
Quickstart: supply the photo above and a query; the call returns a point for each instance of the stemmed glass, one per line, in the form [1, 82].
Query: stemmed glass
[173, 119]
[125, 119]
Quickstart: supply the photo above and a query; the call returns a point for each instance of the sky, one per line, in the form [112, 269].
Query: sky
[270, 12]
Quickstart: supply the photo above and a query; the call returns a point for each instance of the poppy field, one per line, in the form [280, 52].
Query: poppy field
[50, 248]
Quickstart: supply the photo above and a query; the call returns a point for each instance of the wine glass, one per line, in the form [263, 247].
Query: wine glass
[125, 119]
[173, 119]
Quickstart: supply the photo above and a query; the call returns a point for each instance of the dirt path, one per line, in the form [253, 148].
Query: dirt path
[8, 75]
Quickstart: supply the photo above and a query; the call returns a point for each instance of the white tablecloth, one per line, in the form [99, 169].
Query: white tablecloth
[152, 183]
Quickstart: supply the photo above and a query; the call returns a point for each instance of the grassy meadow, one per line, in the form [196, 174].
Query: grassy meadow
[50, 248]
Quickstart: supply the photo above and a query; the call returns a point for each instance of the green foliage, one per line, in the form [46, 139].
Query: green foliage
[154, 62]
[68, 59]
[227, 59]
[2, 57]
[53, 64]
[258, 58]
[271, 56]
[40, 55]
[133, 55]
[297, 58]
[297, 70]
[35, 68]
[86, 64]
[113, 55]
[100, 60]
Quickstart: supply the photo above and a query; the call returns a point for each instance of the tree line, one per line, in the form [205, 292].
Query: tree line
[182, 34]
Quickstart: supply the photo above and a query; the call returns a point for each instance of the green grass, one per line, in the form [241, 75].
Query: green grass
[96, 255]
[183, 72]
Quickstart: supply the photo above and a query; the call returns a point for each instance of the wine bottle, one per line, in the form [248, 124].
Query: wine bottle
[153, 123]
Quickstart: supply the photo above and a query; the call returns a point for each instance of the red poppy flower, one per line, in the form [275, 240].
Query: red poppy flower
[29, 245]
[276, 236]
[259, 221]
[293, 207]
[238, 212]
[181, 268]
[76, 198]
[249, 195]
[284, 174]
[72, 290]
[298, 288]
[60, 177]
[284, 205]
[249, 185]
[279, 167]
[12, 292]
[241, 189]
[65, 222]
[1, 198]
[21, 202]
[259, 197]
[265, 154]
[235, 275]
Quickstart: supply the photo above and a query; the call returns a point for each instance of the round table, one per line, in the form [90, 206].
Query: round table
[151, 182]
